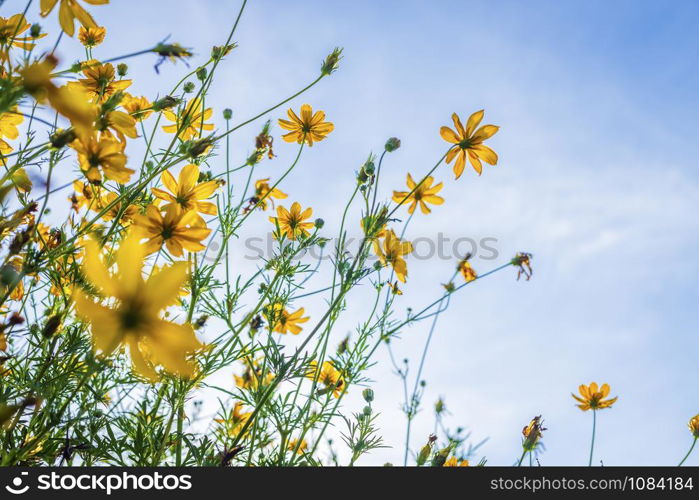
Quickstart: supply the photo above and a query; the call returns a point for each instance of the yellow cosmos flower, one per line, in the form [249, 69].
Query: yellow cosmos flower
[70, 10]
[310, 127]
[69, 101]
[284, 321]
[694, 425]
[424, 193]
[91, 37]
[120, 123]
[291, 223]
[454, 462]
[133, 317]
[10, 30]
[126, 218]
[302, 447]
[187, 193]
[328, 375]
[105, 153]
[178, 230]
[391, 251]
[264, 194]
[252, 377]
[466, 270]
[84, 195]
[593, 398]
[469, 141]
[138, 107]
[190, 122]
[99, 82]
[8, 128]
[236, 420]
[532, 434]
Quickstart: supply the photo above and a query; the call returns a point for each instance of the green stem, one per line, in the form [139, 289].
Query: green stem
[691, 448]
[592, 443]
[521, 459]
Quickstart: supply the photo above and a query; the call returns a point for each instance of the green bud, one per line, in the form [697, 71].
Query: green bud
[201, 73]
[319, 223]
[166, 102]
[227, 114]
[367, 410]
[331, 62]
[35, 30]
[392, 144]
[122, 69]
[368, 395]
[188, 87]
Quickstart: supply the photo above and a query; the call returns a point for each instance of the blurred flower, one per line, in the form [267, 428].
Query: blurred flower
[8, 128]
[236, 420]
[466, 270]
[292, 222]
[187, 193]
[68, 11]
[523, 261]
[10, 30]
[453, 462]
[178, 230]
[91, 37]
[469, 141]
[533, 433]
[593, 398]
[694, 425]
[302, 447]
[138, 107]
[252, 378]
[309, 128]
[422, 194]
[263, 194]
[190, 122]
[126, 216]
[133, 319]
[391, 251]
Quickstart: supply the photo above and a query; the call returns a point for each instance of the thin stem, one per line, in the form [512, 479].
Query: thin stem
[592, 443]
[691, 448]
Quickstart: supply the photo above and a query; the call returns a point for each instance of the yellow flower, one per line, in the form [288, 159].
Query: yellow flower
[70, 101]
[309, 128]
[123, 124]
[235, 422]
[391, 251]
[187, 193]
[328, 375]
[424, 193]
[133, 319]
[302, 448]
[106, 153]
[593, 398]
[190, 122]
[284, 321]
[291, 222]
[3, 342]
[263, 194]
[8, 128]
[69, 11]
[252, 377]
[84, 195]
[91, 37]
[126, 217]
[394, 288]
[466, 270]
[533, 433]
[694, 425]
[453, 462]
[99, 82]
[469, 141]
[138, 107]
[10, 29]
[178, 230]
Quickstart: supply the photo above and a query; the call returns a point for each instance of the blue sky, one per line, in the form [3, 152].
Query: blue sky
[597, 108]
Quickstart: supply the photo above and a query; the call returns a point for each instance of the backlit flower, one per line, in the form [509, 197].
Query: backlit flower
[178, 230]
[423, 194]
[252, 378]
[138, 107]
[10, 30]
[70, 10]
[8, 128]
[99, 81]
[328, 375]
[283, 321]
[130, 315]
[309, 128]
[236, 419]
[593, 397]
[105, 153]
[292, 223]
[264, 193]
[466, 270]
[187, 193]
[454, 462]
[391, 250]
[694, 425]
[469, 142]
[190, 122]
[532, 433]
[300, 448]
[91, 37]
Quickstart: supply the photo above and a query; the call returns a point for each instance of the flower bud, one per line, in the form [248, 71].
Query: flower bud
[201, 73]
[331, 62]
[424, 454]
[166, 102]
[392, 144]
[367, 411]
[51, 326]
[319, 223]
[368, 395]
[122, 69]
[227, 114]
[188, 87]
[35, 31]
